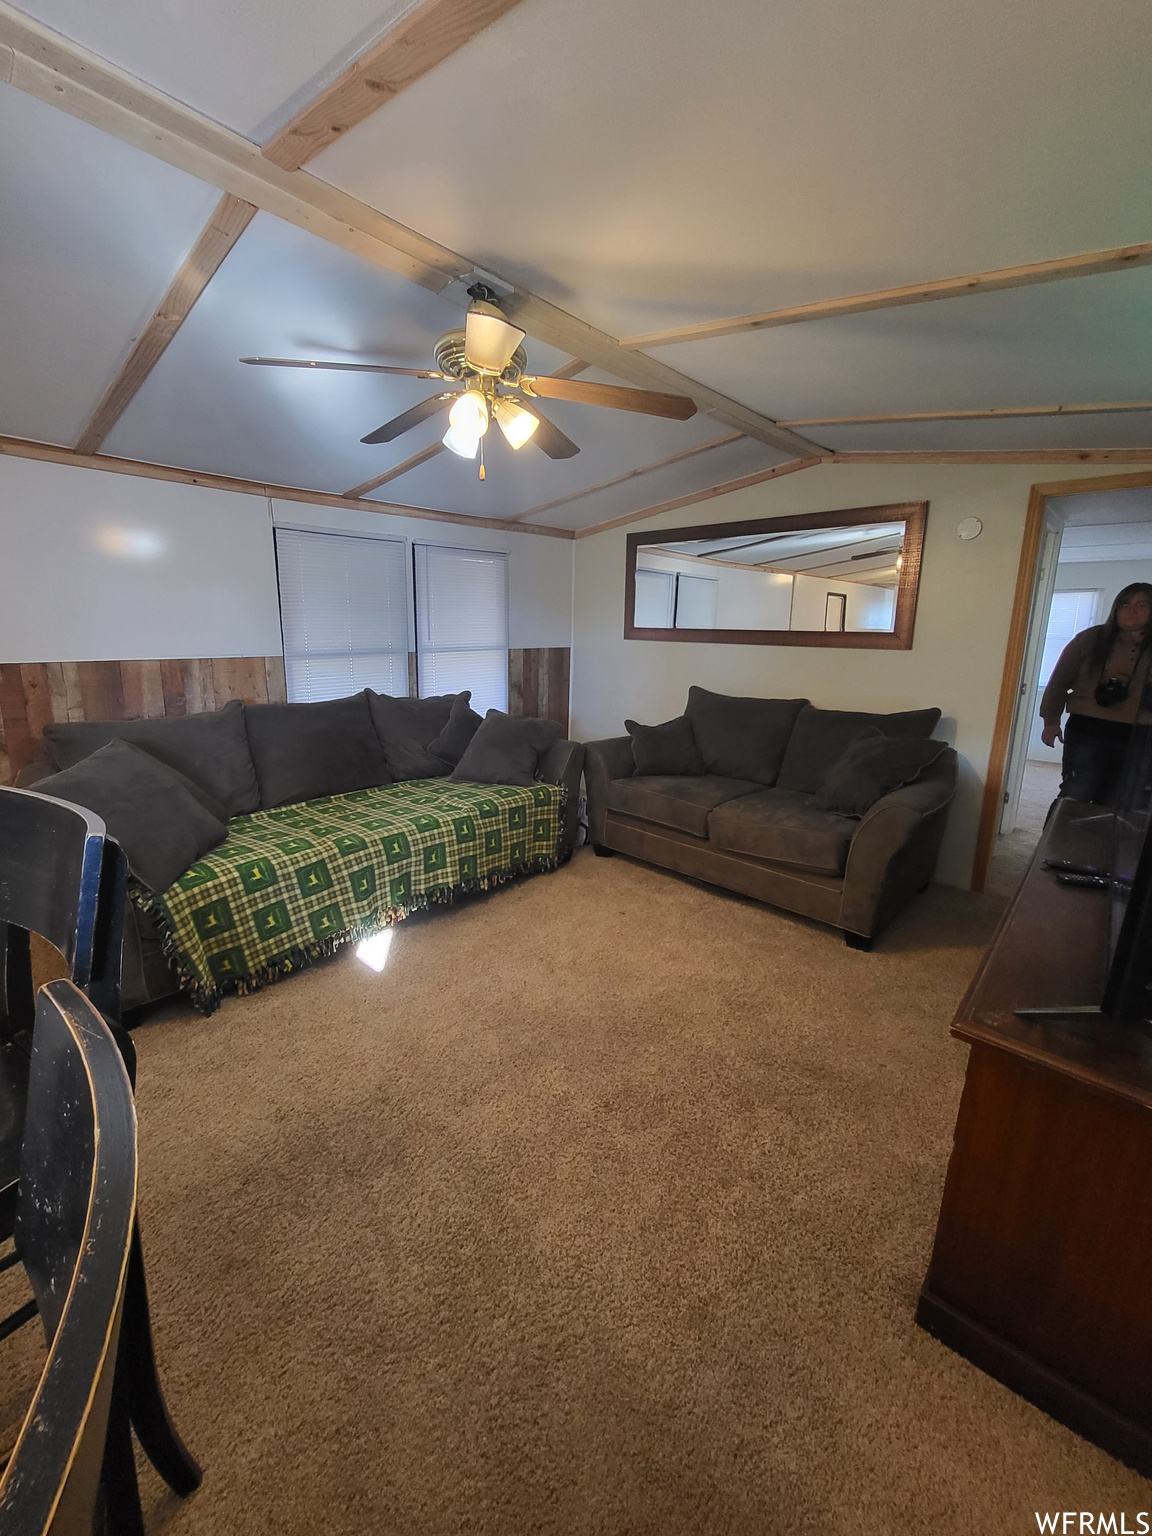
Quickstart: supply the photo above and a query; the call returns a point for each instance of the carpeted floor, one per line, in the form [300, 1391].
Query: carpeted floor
[602, 1210]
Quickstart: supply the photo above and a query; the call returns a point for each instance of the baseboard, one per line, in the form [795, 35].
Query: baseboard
[1054, 1394]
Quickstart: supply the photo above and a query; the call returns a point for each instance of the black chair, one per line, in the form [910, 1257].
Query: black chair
[63, 879]
[75, 1221]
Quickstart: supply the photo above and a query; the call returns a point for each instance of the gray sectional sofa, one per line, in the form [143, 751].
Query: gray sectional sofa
[750, 814]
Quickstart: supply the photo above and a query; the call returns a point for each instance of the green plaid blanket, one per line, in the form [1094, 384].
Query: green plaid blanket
[289, 885]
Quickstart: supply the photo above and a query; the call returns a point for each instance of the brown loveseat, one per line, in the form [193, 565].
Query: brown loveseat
[747, 820]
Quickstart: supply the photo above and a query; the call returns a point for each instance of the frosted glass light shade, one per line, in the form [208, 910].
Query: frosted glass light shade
[489, 339]
[515, 422]
[462, 442]
[470, 413]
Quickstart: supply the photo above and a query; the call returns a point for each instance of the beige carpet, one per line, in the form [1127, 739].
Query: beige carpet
[602, 1210]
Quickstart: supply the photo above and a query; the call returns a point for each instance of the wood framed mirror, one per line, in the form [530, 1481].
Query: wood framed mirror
[842, 579]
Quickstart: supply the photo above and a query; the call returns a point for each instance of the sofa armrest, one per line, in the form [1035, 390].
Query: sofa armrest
[563, 763]
[604, 761]
[894, 851]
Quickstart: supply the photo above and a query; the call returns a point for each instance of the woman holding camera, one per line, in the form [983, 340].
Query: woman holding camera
[1100, 679]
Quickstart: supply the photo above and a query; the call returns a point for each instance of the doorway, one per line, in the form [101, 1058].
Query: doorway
[1091, 543]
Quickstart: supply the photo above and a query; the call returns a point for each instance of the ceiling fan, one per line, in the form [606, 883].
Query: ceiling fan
[488, 359]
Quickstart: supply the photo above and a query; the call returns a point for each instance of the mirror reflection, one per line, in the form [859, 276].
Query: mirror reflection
[834, 579]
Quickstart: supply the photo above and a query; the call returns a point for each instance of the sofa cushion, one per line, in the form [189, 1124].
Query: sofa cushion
[665, 749]
[676, 801]
[307, 751]
[784, 825]
[741, 738]
[163, 821]
[463, 723]
[210, 749]
[407, 727]
[506, 750]
[872, 767]
[821, 735]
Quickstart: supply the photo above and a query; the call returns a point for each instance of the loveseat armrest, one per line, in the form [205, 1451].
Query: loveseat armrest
[894, 851]
[604, 761]
[563, 763]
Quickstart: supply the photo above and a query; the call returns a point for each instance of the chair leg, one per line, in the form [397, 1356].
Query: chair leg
[122, 1513]
[143, 1394]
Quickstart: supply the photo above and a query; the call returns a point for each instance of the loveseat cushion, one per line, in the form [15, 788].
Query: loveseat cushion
[162, 820]
[407, 728]
[821, 735]
[307, 751]
[211, 749]
[871, 767]
[463, 723]
[784, 825]
[741, 738]
[675, 801]
[665, 749]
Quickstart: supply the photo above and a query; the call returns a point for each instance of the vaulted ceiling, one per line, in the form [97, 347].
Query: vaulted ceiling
[623, 173]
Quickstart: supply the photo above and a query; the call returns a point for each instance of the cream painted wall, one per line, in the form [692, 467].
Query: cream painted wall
[961, 629]
[867, 607]
[102, 567]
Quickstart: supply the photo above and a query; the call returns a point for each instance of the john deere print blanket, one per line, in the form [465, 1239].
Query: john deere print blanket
[289, 885]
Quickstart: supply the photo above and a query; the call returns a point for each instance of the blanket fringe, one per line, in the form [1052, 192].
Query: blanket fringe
[207, 996]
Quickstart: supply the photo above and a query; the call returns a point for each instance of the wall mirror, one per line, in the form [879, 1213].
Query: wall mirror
[825, 579]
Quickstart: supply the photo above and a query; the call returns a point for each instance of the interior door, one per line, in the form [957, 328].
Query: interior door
[1030, 672]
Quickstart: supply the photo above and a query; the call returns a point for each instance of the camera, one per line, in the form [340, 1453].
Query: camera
[1111, 691]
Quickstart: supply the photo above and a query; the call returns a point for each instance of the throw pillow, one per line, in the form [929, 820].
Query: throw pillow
[873, 766]
[668, 748]
[821, 735]
[463, 723]
[308, 751]
[506, 750]
[210, 749]
[741, 738]
[406, 729]
[163, 822]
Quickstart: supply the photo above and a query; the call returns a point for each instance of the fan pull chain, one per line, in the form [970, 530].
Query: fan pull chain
[483, 476]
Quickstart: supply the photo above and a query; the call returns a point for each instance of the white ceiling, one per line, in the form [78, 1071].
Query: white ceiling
[642, 166]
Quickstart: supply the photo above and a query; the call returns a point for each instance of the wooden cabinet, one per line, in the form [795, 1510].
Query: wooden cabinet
[1041, 1273]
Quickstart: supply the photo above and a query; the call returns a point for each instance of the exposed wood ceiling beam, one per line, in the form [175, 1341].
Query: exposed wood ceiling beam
[25, 448]
[55, 70]
[421, 40]
[417, 43]
[687, 501]
[220, 234]
[568, 371]
[644, 469]
[1002, 456]
[1088, 265]
[1115, 408]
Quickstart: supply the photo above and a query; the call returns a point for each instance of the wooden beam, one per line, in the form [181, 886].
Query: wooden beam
[220, 234]
[50, 67]
[417, 43]
[1001, 456]
[397, 470]
[25, 448]
[1090, 264]
[686, 501]
[644, 469]
[1115, 408]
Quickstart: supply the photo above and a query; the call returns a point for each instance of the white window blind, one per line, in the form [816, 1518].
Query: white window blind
[462, 623]
[344, 614]
[655, 599]
[696, 601]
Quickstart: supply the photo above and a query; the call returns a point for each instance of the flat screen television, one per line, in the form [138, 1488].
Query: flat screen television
[1128, 989]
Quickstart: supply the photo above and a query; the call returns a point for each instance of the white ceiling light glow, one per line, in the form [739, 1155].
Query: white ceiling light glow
[467, 424]
[373, 951]
[514, 421]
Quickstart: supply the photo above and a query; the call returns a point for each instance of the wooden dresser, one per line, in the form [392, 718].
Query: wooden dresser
[1041, 1273]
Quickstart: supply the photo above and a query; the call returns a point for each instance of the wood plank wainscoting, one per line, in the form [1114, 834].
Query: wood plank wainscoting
[34, 693]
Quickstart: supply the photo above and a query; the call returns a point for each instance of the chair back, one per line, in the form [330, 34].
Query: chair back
[74, 1224]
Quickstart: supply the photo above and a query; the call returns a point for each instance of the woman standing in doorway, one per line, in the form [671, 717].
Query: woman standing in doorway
[1100, 680]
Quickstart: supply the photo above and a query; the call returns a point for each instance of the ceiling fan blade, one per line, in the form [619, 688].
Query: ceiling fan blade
[645, 401]
[548, 435]
[489, 339]
[302, 362]
[409, 419]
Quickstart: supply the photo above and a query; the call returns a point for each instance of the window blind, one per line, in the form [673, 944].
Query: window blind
[344, 614]
[462, 623]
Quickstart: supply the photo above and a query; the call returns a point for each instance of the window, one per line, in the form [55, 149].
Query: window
[343, 613]
[696, 601]
[462, 623]
[655, 599]
[1069, 614]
